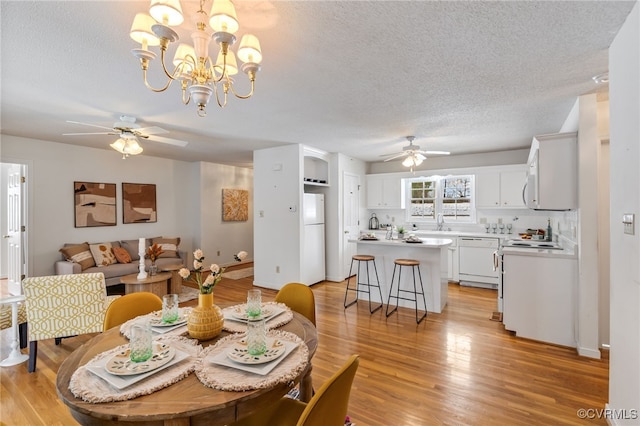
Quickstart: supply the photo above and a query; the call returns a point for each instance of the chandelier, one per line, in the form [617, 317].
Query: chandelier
[199, 75]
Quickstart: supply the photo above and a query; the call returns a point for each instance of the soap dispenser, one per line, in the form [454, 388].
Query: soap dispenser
[549, 236]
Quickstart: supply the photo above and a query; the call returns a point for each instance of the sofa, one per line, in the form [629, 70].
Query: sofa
[115, 259]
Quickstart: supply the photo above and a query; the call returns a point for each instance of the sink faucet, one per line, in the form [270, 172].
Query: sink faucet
[440, 221]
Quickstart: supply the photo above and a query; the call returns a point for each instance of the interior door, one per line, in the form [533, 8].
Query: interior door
[15, 228]
[351, 216]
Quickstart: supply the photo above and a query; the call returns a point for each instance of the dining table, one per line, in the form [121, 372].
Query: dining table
[187, 401]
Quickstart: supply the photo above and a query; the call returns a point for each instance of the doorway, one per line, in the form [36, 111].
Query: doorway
[13, 204]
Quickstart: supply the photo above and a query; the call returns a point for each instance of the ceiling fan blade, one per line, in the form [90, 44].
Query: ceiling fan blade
[84, 134]
[168, 140]
[396, 156]
[152, 130]
[434, 152]
[92, 125]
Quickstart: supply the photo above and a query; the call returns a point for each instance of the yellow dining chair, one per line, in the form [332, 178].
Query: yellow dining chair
[299, 298]
[328, 407]
[130, 306]
[63, 306]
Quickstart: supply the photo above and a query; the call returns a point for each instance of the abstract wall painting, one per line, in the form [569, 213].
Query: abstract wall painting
[139, 203]
[95, 204]
[235, 205]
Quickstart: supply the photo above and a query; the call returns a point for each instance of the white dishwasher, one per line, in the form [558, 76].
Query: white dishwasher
[476, 262]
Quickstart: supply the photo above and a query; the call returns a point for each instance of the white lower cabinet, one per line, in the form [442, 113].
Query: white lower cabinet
[540, 297]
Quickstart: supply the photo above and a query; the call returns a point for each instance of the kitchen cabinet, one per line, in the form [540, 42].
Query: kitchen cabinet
[500, 189]
[552, 176]
[540, 296]
[384, 192]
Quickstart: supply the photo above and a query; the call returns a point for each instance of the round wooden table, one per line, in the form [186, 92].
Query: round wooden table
[156, 284]
[187, 402]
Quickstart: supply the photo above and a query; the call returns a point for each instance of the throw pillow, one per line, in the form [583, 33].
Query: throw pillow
[102, 254]
[168, 245]
[79, 253]
[122, 255]
[132, 248]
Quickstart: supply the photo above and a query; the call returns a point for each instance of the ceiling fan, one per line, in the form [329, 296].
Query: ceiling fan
[129, 133]
[414, 156]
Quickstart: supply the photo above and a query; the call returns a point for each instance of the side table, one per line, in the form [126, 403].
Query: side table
[156, 284]
[175, 284]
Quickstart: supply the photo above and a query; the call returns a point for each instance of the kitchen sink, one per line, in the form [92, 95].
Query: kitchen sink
[546, 245]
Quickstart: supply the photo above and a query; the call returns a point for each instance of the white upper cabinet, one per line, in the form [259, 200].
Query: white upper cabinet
[500, 189]
[384, 192]
[316, 167]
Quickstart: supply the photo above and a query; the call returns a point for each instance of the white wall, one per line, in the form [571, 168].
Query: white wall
[624, 98]
[277, 185]
[588, 151]
[53, 168]
[220, 240]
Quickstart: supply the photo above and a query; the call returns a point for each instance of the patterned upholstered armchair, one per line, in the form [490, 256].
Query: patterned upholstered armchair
[5, 321]
[62, 306]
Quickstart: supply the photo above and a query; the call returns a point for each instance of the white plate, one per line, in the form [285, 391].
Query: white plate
[157, 322]
[239, 352]
[121, 365]
[122, 382]
[221, 358]
[240, 312]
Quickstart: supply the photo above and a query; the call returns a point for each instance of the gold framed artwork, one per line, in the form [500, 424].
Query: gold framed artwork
[235, 205]
[139, 203]
[94, 204]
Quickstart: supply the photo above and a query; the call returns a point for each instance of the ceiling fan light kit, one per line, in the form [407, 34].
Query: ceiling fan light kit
[129, 131]
[199, 75]
[413, 155]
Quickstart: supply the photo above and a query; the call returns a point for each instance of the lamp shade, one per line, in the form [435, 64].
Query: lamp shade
[168, 12]
[232, 65]
[132, 147]
[408, 162]
[141, 30]
[249, 50]
[119, 145]
[223, 17]
[186, 56]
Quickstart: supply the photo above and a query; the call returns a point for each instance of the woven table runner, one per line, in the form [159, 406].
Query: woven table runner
[91, 388]
[231, 379]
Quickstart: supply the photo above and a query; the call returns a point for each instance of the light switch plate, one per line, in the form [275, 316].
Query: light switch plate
[628, 221]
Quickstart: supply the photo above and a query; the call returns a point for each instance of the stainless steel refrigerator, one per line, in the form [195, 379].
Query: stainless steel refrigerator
[312, 269]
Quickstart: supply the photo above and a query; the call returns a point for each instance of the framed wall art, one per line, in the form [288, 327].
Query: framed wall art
[235, 205]
[139, 203]
[94, 204]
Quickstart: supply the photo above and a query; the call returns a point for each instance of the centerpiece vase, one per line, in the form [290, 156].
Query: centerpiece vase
[205, 320]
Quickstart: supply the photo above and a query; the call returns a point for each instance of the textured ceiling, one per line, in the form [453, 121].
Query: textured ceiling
[345, 76]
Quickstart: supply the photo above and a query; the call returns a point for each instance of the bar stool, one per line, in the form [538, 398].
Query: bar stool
[363, 258]
[414, 264]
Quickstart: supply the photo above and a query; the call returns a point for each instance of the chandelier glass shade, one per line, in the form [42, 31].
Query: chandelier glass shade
[199, 75]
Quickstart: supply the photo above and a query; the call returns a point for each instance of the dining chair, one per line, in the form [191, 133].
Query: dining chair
[130, 306]
[328, 407]
[299, 298]
[63, 306]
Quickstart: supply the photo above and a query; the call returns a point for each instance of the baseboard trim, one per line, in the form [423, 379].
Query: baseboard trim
[589, 352]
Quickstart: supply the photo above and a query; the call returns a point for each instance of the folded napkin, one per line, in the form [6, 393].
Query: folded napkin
[91, 388]
[232, 379]
[282, 315]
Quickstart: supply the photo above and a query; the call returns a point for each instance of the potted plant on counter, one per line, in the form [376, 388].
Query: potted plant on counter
[401, 232]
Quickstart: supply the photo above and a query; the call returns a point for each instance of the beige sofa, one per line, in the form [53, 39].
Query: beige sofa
[115, 259]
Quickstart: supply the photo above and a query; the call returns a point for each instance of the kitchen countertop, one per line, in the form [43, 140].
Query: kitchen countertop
[426, 242]
[451, 234]
[566, 252]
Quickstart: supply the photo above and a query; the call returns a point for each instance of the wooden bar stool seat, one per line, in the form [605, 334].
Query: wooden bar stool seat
[367, 259]
[409, 295]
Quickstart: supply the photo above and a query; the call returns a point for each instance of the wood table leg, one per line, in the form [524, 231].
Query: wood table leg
[306, 386]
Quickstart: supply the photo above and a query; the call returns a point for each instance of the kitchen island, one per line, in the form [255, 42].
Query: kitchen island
[432, 254]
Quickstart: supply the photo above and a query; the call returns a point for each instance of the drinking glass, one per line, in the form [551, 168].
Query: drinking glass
[256, 337]
[169, 308]
[254, 303]
[140, 343]
[486, 226]
[509, 227]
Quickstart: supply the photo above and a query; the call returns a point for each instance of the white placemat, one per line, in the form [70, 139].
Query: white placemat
[94, 388]
[282, 314]
[230, 378]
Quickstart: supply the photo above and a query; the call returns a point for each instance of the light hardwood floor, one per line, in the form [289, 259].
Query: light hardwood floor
[456, 368]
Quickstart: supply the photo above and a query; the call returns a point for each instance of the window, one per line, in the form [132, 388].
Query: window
[452, 196]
